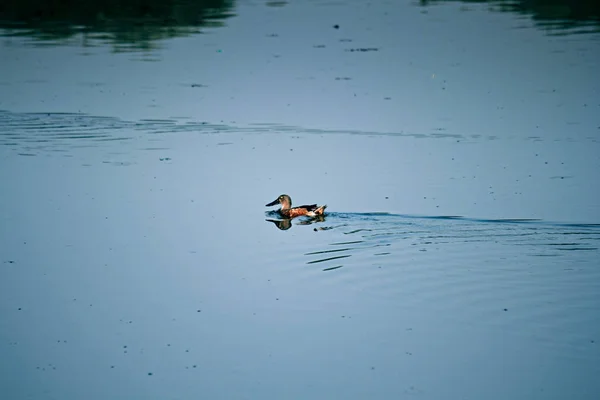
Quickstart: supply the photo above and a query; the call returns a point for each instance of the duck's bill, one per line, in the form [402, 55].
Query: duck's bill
[272, 203]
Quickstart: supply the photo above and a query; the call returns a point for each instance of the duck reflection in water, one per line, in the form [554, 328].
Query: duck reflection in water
[287, 212]
[286, 223]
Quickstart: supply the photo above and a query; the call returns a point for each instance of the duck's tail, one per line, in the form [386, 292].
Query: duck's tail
[319, 210]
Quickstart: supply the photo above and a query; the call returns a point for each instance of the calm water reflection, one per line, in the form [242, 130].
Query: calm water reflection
[125, 25]
[286, 223]
[558, 17]
[134, 25]
[457, 149]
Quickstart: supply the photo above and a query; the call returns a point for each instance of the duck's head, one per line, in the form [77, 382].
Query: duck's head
[284, 200]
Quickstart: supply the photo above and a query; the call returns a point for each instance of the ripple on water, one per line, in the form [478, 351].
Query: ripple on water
[35, 133]
[524, 277]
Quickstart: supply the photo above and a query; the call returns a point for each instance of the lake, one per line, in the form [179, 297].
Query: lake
[456, 145]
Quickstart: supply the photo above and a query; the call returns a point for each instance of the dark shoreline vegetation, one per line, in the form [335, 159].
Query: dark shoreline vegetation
[139, 24]
[568, 16]
[136, 23]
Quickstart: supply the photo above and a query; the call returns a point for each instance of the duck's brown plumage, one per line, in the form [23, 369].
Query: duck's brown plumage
[288, 211]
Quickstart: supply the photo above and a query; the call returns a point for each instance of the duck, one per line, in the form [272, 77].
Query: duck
[287, 211]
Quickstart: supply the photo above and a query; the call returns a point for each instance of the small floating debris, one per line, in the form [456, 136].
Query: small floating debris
[363, 49]
[165, 159]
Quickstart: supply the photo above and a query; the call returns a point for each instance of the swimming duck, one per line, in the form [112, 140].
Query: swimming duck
[287, 211]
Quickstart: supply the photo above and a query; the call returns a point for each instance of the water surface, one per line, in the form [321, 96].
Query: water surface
[456, 147]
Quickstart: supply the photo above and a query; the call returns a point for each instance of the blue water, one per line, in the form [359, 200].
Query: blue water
[456, 147]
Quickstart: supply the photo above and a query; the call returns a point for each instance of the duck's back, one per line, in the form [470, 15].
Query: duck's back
[308, 207]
